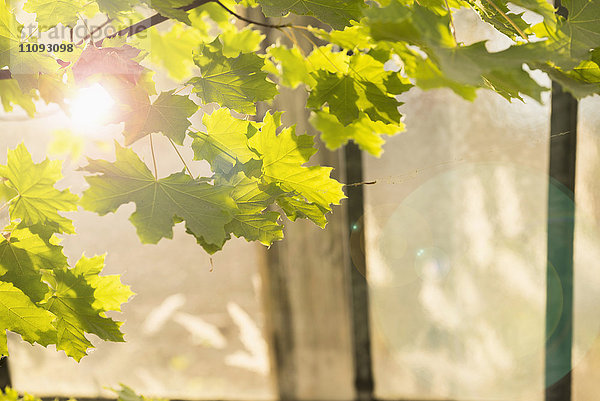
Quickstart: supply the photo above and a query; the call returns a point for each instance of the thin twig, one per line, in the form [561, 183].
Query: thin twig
[91, 34]
[249, 20]
[87, 28]
[131, 30]
[154, 20]
[181, 158]
[153, 158]
[356, 184]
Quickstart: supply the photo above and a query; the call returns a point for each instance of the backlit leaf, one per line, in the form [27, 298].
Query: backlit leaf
[283, 157]
[159, 203]
[337, 13]
[224, 143]
[38, 201]
[22, 257]
[19, 314]
[237, 83]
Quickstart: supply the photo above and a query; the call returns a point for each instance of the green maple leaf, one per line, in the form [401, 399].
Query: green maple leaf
[22, 257]
[298, 208]
[168, 114]
[236, 41]
[252, 221]
[337, 91]
[542, 7]
[364, 86]
[237, 83]
[289, 65]
[53, 90]
[461, 68]
[6, 192]
[20, 315]
[582, 26]
[170, 9]
[38, 201]
[337, 13]
[350, 38]
[116, 8]
[11, 93]
[24, 66]
[53, 12]
[172, 50]
[365, 132]
[283, 157]
[328, 58]
[109, 292]
[159, 203]
[498, 15]
[428, 75]
[582, 81]
[417, 25]
[224, 143]
[72, 302]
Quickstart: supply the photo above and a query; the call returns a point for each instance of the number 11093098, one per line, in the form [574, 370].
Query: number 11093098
[40, 48]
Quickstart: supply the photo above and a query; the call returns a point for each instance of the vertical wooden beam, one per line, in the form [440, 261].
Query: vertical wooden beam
[363, 372]
[561, 222]
[306, 283]
[310, 312]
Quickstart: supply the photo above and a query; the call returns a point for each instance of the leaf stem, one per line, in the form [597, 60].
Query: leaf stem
[181, 158]
[451, 21]
[294, 41]
[8, 202]
[508, 19]
[153, 157]
[180, 89]
[215, 145]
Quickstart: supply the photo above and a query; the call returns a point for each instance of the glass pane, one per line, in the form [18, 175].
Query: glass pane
[586, 348]
[456, 246]
[456, 250]
[194, 328]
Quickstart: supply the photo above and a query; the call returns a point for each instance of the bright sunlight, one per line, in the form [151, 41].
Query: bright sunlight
[91, 107]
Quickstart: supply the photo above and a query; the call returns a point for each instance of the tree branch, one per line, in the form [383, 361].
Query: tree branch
[91, 34]
[157, 19]
[135, 28]
[154, 20]
[249, 20]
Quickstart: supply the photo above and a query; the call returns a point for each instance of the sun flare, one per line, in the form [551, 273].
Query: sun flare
[91, 107]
